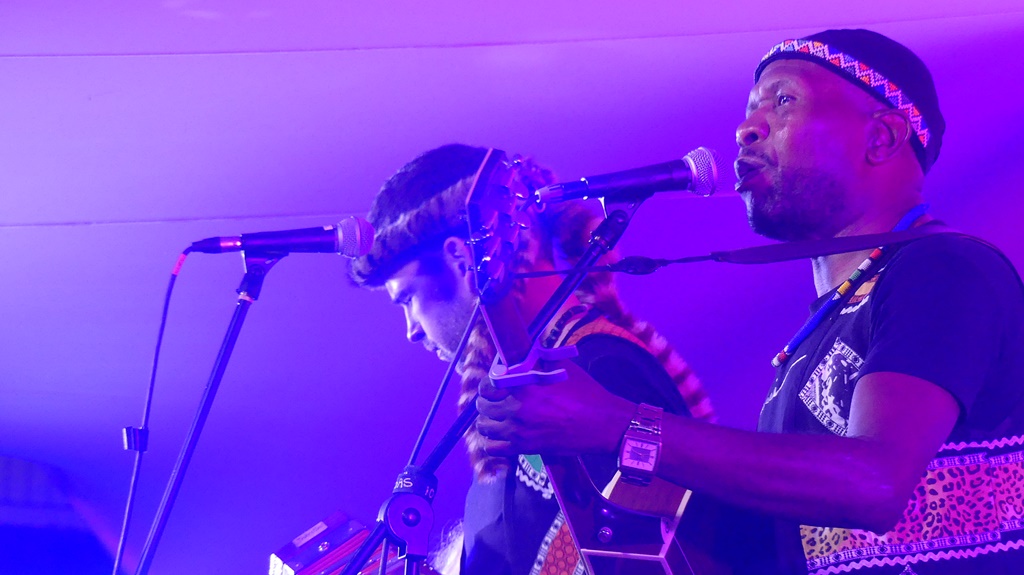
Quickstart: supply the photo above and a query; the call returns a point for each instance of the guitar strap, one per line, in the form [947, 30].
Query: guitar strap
[788, 251]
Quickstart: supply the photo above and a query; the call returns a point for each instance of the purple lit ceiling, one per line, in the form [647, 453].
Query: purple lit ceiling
[130, 129]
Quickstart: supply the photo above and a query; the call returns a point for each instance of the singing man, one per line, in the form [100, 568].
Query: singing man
[891, 439]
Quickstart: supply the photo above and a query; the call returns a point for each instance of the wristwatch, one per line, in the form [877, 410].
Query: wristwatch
[641, 446]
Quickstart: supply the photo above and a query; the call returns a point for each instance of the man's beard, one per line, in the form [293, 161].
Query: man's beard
[800, 204]
[457, 314]
[454, 328]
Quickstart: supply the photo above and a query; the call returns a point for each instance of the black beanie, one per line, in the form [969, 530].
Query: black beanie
[884, 68]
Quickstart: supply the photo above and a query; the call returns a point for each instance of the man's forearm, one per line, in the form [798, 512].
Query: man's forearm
[812, 479]
[862, 480]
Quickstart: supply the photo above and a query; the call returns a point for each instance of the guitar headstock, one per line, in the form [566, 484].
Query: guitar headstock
[493, 212]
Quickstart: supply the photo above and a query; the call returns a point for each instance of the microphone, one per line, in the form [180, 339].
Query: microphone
[352, 237]
[696, 172]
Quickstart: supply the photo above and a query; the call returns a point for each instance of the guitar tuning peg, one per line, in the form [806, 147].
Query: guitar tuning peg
[480, 237]
[509, 231]
[495, 269]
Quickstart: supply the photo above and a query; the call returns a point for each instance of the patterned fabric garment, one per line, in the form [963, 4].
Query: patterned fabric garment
[513, 524]
[950, 310]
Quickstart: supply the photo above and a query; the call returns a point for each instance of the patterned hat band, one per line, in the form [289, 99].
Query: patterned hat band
[856, 70]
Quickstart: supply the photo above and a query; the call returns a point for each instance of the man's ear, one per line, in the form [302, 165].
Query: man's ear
[888, 135]
[457, 255]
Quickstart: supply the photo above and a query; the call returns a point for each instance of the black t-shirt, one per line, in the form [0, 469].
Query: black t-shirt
[950, 310]
[510, 521]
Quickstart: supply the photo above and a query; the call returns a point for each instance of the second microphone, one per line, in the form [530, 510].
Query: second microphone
[696, 172]
[352, 237]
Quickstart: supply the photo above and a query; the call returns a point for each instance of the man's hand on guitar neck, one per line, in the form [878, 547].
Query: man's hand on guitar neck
[567, 418]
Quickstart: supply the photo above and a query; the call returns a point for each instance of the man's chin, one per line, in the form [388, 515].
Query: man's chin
[761, 220]
[780, 228]
[757, 219]
[760, 217]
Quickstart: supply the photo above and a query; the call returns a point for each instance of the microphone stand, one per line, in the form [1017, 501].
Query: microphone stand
[406, 517]
[602, 241]
[256, 266]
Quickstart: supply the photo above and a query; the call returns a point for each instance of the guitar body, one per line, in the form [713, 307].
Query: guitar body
[658, 529]
[613, 538]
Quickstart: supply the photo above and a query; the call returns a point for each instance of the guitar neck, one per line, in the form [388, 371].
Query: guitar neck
[511, 338]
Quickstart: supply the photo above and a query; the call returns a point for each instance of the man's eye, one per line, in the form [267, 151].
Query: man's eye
[782, 99]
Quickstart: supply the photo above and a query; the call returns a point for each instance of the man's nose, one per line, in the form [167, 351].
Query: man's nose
[413, 331]
[751, 130]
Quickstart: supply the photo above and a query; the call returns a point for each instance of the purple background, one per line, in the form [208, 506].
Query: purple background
[129, 129]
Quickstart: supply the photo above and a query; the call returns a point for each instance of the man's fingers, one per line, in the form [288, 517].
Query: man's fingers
[490, 392]
[498, 448]
[498, 410]
[492, 429]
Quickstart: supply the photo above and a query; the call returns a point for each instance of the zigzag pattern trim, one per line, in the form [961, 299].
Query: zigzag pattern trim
[993, 444]
[919, 558]
[862, 553]
[859, 71]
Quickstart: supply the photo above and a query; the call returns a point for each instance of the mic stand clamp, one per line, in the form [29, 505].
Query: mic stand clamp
[405, 520]
[408, 514]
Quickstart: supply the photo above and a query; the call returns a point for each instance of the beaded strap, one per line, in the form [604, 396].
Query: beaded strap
[819, 316]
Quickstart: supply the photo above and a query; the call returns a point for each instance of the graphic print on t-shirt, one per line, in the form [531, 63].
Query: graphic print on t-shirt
[860, 297]
[829, 390]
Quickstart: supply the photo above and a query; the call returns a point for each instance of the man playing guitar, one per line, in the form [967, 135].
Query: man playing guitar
[422, 258]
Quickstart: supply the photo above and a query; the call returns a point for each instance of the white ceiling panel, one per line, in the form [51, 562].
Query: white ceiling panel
[100, 27]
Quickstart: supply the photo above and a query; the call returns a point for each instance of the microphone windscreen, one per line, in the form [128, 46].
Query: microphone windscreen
[706, 166]
[355, 236]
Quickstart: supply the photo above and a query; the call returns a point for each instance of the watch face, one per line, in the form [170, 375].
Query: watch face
[639, 454]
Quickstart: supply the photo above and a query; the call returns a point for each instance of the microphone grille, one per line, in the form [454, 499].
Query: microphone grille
[355, 236]
[706, 165]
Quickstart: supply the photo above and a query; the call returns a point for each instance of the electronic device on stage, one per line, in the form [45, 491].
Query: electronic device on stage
[326, 549]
